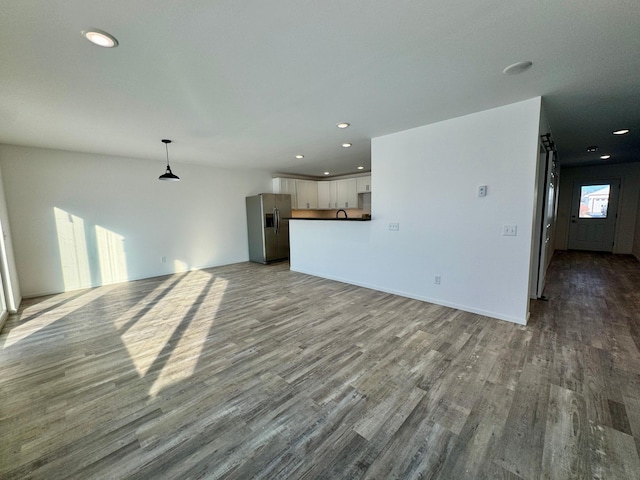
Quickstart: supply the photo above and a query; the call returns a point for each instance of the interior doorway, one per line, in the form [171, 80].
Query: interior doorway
[594, 207]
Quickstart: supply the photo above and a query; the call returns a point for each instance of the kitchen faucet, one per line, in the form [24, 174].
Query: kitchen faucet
[342, 210]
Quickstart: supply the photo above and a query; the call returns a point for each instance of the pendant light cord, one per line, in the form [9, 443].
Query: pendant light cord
[166, 147]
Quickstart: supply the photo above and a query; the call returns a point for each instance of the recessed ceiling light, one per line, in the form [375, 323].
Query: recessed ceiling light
[605, 157]
[327, 173]
[299, 156]
[517, 68]
[621, 132]
[592, 148]
[360, 167]
[100, 38]
[346, 145]
[342, 125]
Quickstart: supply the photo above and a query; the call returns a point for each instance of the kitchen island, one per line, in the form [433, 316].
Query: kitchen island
[335, 249]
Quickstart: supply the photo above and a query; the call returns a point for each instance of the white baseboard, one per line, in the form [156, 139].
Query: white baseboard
[466, 308]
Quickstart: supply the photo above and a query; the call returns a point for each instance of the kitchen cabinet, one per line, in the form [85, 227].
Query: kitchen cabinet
[323, 195]
[327, 195]
[286, 185]
[307, 191]
[363, 184]
[347, 190]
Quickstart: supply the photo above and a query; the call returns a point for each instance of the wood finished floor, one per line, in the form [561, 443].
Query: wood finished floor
[250, 371]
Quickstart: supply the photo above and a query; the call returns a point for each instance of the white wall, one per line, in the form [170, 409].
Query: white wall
[629, 173]
[82, 220]
[427, 180]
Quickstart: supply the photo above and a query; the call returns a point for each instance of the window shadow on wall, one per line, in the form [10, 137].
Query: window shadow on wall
[90, 255]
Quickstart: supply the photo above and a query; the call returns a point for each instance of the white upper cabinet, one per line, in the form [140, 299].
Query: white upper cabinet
[327, 195]
[323, 195]
[286, 185]
[347, 193]
[307, 191]
[364, 184]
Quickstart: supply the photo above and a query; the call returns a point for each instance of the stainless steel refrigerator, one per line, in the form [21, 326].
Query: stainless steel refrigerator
[268, 217]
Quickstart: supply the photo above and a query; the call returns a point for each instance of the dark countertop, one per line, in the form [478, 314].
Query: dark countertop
[335, 219]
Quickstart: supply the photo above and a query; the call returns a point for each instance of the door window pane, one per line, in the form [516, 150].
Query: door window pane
[594, 201]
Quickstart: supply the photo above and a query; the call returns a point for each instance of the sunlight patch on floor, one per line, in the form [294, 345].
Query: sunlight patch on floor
[184, 357]
[40, 321]
[136, 311]
[150, 334]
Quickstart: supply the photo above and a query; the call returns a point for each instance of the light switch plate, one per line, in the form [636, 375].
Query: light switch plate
[482, 191]
[510, 230]
[394, 227]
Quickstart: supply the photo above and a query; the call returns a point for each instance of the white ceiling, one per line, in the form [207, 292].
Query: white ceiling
[250, 84]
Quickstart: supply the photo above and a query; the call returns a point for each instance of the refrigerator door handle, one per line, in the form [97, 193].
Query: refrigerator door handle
[276, 217]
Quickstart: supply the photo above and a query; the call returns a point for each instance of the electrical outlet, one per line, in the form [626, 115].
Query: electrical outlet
[436, 279]
[394, 227]
[163, 260]
[482, 191]
[510, 230]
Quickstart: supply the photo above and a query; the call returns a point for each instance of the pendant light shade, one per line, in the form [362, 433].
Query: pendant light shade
[168, 175]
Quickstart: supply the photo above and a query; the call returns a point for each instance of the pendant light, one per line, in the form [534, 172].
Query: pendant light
[168, 175]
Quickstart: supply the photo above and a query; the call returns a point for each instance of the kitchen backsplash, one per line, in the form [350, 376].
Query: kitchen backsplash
[351, 213]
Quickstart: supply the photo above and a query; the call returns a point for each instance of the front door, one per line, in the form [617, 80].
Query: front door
[593, 215]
